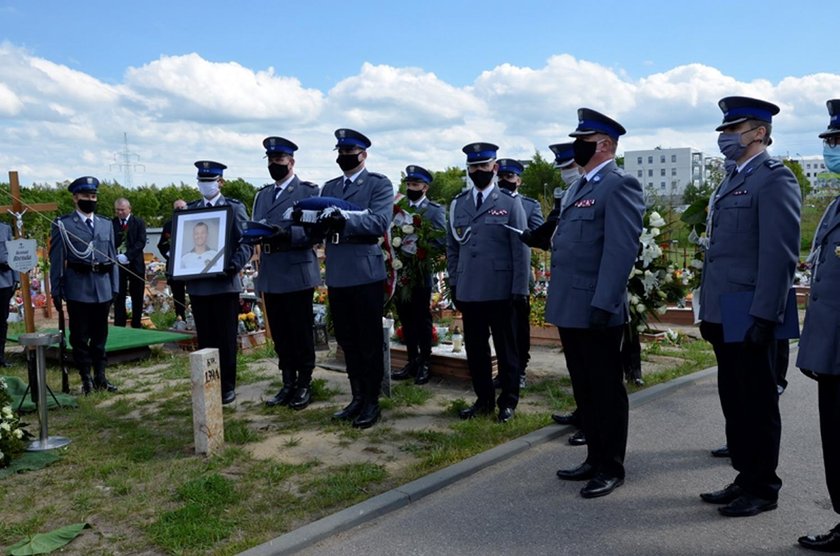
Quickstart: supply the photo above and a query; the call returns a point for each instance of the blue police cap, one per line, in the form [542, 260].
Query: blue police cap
[350, 138]
[509, 165]
[85, 184]
[418, 173]
[834, 122]
[740, 109]
[564, 154]
[591, 122]
[209, 170]
[479, 153]
[278, 146]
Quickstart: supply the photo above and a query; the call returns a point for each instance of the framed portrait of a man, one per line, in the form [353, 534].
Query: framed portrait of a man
[200, 242]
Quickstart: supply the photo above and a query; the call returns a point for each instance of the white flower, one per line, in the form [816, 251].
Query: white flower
[654, 232]
[1, 455]
[696, 263]
[18, 434]
[640, 308]
[661, 310]
[650, 282]
[408, 229]
[656, 220]
[397, 264]
[7, 412]
[641, 327]
[6, 427]
[634, 299]
[395, 242]
[662, 294]
[672, 336]
[410, 244]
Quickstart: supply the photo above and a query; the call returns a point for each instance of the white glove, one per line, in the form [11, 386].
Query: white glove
[122, 259]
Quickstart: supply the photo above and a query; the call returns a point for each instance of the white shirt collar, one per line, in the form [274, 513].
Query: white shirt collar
[591, 174]
[85, 217]
[741, 166]
[212, 201]
[485, 192]
[282, 185]
[419, 202]
[353, 177]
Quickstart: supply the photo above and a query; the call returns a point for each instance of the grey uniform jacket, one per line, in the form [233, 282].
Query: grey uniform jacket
[819, 346]
[594, 249]
[290, 270]
[488, 263]
[8, 277]
[71, 284]
[240, 253]
[533, 212]
[354, 264]
[434, 213]
[753, 233]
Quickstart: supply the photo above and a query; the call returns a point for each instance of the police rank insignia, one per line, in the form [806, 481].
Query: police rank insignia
[585, 203]
[741, 192]
[497, 212]
[837, 251]
[342, 133]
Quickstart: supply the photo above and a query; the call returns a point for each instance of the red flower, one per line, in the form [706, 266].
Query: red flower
[421, 253]
[416, 219]
[397, 209]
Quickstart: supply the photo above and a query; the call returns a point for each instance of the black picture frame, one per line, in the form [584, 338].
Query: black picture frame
[196, 255]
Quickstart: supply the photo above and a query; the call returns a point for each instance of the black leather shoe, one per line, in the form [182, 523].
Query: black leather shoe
[301, 399]
[475, 409]
[423, 373]
[829, 542]
[282, 397]
[601, 485]
[566, 419]
[368, 417]
[582, 472]
[505, 414]
[87, 386]
[725, 496]
[578, 439]
[747, 505]
[350, 411]
[406, 372]
[105, 386]
[228, 397]
[722, 452]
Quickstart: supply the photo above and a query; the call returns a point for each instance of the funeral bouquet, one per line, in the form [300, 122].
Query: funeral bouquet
[417, 248]
[651, 273]
[11, 435]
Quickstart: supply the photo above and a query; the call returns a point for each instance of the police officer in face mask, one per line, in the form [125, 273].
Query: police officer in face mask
[753, 248]
[819, 346]
[488, 271]
[84, 274]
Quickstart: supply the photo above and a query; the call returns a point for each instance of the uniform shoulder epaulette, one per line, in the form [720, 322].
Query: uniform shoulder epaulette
[773, 163]
[529, 199]
[309, 184]
[462, 193]
[377, 175]
[233, 201]
[434, 204]
[334, 180]
[265, 187]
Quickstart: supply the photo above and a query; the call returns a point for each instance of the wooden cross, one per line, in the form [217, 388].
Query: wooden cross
[17, 207]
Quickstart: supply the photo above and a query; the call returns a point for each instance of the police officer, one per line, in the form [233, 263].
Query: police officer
[215, 300]
[83, 273]
[415, 312]
[356, 273]
[510, 178]
[753, 246]
[8, 279]
[130, 238]
[592, 253]
[288, 274]
[488, 272]
[819, 346]
[177, 287]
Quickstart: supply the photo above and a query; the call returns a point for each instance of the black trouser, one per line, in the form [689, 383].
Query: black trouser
[357, 318]
[88, 334]
[217, 326]
[593, 358]
[179, 297]
[631, 353]
[747, 386]
[522, 316]
[5, 296]
[480, 319]
[416, 319]
[829, 404]
[290, 319]
[135, 285]
[782, 360]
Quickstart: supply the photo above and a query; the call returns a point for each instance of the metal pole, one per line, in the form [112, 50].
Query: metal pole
[40, 341]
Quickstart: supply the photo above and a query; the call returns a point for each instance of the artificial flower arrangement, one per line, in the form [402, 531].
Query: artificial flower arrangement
[11, 434]
[400, 334]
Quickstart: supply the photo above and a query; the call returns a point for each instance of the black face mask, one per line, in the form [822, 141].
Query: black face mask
[414, 195]
[584, 151]
[481, 178]
[509, 185]
[278, 171]
[347, 161]
[87, 206]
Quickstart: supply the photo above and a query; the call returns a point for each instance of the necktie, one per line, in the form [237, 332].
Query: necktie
[89, 222]
[478, 200]
[277, 192]
[209, 204]
[347, 183]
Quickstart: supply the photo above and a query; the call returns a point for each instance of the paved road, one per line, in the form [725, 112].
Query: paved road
[520, 507]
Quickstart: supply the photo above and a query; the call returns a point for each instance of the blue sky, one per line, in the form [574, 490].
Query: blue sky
[491, 70]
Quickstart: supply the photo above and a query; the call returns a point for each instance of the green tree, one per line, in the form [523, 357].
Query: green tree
[540, 179]
[692, 192]
[796, 168]
[242, 190]
[446, 185]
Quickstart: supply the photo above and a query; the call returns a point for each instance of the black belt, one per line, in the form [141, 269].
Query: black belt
[95, 267]
[359, 240]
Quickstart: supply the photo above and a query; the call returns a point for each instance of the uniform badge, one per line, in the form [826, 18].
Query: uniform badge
[477, 147]
[837, 251]
[342, 133]
[90, 181]
[497, 212]
[205, 164]
[585, 203]
[741, 192]
[411, 169]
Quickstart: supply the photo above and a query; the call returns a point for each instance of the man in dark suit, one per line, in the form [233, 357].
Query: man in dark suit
[752, 235]
[414, 310]
[592, 252]
[288, 274]
[177, 287]
[819, 346]
[488, 273]
[355, 273]
[130, 236]
[83, 273]
[510, 178]
[8, 279]
[215, 300]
